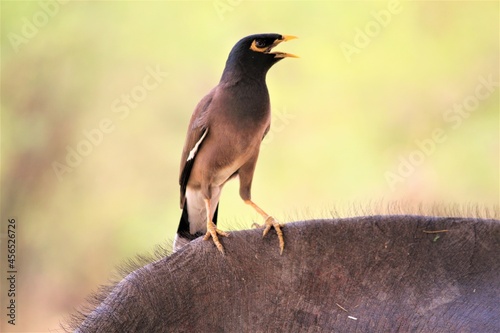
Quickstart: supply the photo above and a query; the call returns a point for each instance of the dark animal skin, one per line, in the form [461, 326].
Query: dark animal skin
[386, 272]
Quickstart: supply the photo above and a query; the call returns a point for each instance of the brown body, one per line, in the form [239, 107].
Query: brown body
[231, 146]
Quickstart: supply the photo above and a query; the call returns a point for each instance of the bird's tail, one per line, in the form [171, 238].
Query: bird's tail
[184, 234]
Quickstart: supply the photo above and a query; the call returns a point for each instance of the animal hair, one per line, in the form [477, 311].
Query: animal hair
[75, 319]
[380, 208]
[407, 207]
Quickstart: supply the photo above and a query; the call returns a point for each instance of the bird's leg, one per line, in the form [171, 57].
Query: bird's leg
[212, 230]
[269, 222]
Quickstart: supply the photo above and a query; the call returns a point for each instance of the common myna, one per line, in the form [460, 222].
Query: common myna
[224, 137]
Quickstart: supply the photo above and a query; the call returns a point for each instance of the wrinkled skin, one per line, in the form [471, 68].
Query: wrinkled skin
[383, 271]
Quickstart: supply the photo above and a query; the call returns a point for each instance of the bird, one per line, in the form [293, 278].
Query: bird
[223, 140]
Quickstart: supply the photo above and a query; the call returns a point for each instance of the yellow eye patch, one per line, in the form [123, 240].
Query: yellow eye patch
[255, 48]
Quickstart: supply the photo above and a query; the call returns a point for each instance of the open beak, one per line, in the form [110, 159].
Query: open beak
[284, 38]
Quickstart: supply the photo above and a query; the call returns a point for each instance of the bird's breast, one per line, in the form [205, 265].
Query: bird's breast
[238, 119]
[222, 154]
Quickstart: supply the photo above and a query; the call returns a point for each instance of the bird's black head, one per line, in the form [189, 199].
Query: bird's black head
[253, 55]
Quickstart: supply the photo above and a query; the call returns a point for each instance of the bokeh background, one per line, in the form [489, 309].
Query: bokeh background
[389, 101]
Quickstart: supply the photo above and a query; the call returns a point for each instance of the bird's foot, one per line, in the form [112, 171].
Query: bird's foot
[212, 231]
[269, 223]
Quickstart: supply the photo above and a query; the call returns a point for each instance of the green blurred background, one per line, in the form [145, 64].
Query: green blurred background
[342, 123]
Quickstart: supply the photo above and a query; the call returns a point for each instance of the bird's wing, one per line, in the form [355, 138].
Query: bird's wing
[197, 131]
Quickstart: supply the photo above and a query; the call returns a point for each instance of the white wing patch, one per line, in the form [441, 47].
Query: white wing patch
[193, 151]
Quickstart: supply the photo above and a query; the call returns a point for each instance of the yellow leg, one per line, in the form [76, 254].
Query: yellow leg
[269, 222]
[212, 230]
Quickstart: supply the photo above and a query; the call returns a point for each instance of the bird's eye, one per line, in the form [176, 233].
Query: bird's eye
[260, 43]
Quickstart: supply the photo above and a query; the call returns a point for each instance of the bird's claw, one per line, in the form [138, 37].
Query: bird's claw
[212, 231]
[269, 223]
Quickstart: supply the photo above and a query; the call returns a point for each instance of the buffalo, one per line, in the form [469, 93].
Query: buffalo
[395, 273]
